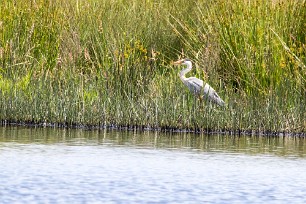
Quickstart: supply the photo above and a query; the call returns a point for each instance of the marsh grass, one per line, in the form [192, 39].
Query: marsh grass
[108, 63]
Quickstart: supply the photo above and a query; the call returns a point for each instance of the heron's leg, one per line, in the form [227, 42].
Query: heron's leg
[201, 105]
[194, 104]
[201, 99]
[194, 107]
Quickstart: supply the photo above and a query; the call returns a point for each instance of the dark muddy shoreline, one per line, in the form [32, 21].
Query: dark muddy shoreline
[165, 129]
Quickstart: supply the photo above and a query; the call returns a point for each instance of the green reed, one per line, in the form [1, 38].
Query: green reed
[108, 63]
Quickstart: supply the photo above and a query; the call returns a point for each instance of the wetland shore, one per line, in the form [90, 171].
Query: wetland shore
[107, 64]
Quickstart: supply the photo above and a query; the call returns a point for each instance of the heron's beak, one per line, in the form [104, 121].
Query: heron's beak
[178, 62]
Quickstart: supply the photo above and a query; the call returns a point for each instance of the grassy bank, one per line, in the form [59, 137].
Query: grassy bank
[109, 63]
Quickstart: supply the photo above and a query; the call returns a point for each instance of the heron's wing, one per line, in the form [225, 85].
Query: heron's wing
[195, 85]
[212, 95]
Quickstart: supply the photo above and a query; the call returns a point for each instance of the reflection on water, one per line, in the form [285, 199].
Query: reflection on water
[281, 146]
[46, 165]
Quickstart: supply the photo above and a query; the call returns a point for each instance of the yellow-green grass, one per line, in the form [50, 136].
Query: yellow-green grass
[105, 63]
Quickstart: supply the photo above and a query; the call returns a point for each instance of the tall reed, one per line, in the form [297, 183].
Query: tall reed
[109, 63]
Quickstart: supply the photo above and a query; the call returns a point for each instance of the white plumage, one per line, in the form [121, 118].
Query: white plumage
[196, 85]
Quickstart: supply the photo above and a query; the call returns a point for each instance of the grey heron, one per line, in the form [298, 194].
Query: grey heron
[197, 86]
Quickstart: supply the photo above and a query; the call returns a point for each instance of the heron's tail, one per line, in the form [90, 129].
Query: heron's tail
[219, 101]
[212, 95]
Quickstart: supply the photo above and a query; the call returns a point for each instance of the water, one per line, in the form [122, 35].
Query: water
[46, 165]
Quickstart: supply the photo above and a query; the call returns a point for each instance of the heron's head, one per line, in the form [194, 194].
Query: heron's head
[183, 62]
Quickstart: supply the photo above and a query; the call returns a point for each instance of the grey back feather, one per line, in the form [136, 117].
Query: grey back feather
[196, 86]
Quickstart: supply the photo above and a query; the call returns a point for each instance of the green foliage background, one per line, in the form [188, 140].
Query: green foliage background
[93, 62]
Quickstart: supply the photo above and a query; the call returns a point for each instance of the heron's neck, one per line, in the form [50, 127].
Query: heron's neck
[185, 71]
